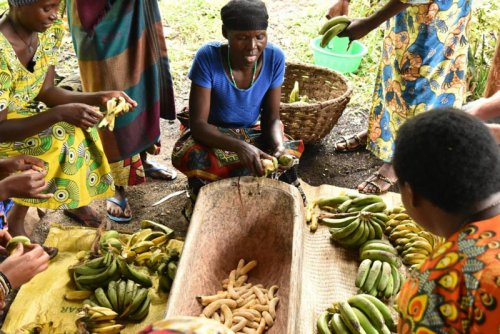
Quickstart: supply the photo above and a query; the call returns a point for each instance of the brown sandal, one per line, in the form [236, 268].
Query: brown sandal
[358, 144]
[372, 181]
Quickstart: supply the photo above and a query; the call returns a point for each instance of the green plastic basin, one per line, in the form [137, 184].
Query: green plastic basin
[336, 55]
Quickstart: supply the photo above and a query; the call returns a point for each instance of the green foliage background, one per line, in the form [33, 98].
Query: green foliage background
[293, 23]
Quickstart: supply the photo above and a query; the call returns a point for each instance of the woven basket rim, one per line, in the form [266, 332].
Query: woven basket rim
[342, 97]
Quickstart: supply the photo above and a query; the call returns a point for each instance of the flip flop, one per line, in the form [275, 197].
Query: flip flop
[155, 167]
[123, 205]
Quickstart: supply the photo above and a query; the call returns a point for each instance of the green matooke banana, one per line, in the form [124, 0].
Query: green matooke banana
[333, 22]
[331, 33]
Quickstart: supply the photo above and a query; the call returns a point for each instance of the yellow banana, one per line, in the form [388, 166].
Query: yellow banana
[111, 329]
[294, 94]
[77, 295]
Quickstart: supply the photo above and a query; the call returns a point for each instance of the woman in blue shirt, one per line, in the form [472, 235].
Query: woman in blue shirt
[234, 102]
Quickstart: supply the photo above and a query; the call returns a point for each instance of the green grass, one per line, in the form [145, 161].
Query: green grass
[292, 24]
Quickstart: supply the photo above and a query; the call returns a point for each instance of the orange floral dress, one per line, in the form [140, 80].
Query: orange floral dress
[457, 290]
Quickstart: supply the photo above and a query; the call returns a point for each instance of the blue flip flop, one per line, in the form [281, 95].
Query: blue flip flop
[123, 205]
[155, 167]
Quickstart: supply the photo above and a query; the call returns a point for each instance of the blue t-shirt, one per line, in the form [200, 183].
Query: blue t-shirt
[231, 107]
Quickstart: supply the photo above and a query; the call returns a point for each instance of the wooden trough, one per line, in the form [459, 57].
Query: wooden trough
[243, 218]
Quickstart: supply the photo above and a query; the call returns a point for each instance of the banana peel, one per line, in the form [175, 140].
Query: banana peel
[114, 107]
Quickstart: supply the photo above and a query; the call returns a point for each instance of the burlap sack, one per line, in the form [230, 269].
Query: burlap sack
[41, 301]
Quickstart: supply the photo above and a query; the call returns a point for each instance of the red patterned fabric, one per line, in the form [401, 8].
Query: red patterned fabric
[457, 290]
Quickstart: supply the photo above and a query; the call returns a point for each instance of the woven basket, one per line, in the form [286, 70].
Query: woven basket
[328, 92]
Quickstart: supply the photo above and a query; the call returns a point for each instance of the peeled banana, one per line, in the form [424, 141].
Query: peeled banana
[114, 107]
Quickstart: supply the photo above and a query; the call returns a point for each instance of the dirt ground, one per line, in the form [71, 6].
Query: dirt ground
[319, 165]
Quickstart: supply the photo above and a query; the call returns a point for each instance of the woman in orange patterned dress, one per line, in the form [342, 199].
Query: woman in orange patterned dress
[448, 166]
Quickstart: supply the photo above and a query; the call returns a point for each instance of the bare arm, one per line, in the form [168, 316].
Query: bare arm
[361, 27]
[207, 134]
[54, 96]
[18, 129]
[75, 108]
[338, 8]
[487, 108]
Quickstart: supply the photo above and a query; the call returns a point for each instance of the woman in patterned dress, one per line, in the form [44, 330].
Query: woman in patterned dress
[63, 134]
[448, 166]
[423, 66]
[120, 45]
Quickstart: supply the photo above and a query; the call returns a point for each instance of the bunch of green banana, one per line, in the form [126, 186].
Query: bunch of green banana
[125, 297]
[343, 206]
[412, 242]
[110, 242]
[167, 270]
[332, 28]
[359, 314]
[378, 273]
[97, 319]
[360, 219]
[130, 272]
[96, 272]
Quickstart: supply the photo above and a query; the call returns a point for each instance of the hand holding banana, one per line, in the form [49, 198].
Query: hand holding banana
[332, 28]
[114, 107]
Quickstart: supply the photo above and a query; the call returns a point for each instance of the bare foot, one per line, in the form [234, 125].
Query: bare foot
[85, 215]
[380, 181]
[155, 170]
[351, 143]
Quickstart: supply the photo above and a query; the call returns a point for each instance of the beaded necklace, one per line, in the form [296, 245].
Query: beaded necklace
[231, 70]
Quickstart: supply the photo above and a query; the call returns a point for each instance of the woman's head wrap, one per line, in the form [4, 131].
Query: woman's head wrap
[21, 2]
[244, 15]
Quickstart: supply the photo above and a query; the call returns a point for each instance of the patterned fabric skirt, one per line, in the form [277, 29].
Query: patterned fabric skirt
[423, 66]
[77, 169]
[120, 46]
[211, 164]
